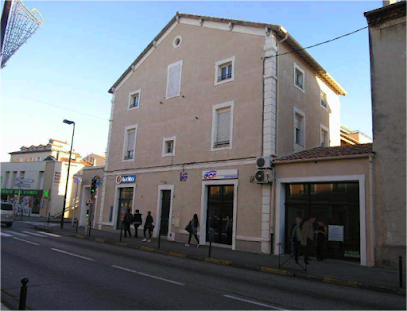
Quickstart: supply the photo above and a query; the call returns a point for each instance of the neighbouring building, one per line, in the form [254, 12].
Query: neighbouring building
[350, 137]
[95, 159]
[192, 114]
[46, 167]
[387, 40]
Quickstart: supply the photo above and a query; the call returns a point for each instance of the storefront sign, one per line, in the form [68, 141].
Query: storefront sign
[125, 179]
[23, 192]
[335, 233]
[183, 176]
[219, 174]
[57, 177]
[353, 254]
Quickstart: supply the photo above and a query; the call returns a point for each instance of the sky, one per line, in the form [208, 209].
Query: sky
[84, 46]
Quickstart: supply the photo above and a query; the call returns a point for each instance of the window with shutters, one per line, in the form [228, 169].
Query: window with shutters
[134, 100]
[222, 126]
[169, 146]
[174, 80]
[225, 71]
[324, 100]
[129, 142]
[324, 136]
[299, 78]
[299, 129]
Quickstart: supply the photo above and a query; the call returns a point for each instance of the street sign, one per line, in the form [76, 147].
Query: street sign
[25, 180]
[24, 185]
[76, 178]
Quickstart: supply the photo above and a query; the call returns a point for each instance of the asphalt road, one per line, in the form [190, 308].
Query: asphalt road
[69, 273]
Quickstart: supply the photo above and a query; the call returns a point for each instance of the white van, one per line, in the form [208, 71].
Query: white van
[7, 213]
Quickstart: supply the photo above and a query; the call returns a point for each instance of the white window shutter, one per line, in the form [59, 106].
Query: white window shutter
[223, 130]
[174, 80]
[131, 136]
[298, 122]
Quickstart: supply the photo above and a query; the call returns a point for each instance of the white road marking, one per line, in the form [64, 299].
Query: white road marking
[29, 242]
[36, 234]
[50, 234]
[18, 233]
[6, 235]
[253, 302]
[148, 275]
[71, 254]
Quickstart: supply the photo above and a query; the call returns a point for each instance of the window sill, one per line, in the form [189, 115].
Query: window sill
[134, 107]
[168, 155]
[128, 160]
[326, 108]
[221, 148]
[178, 95]
[224, 81]
[298, 88]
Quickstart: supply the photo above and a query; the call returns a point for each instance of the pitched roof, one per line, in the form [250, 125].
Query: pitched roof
[280, 31]
[328, 153]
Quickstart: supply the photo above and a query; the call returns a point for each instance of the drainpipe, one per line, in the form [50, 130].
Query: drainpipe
[371, 210]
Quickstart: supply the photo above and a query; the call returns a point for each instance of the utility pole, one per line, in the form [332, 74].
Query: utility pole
[76, 196]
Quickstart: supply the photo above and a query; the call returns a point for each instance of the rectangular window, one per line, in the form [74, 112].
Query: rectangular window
[324, 100]
[134, 99]
[299, 129]
[129, 143]
[174, 80]
[324, 136]
[299, 78]
[6, 178]
[41, 180]
[169, 146]
[222, 126]
[225, 71]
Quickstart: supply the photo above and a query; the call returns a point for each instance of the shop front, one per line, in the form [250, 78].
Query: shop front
[125, 191]
[30, 200]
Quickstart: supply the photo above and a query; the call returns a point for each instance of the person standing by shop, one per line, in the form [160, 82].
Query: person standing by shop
[148, 225]
[321, 234]
[137, 221]
[307, 237]
[213, 226]
[296, 237]
[127, 221]
[193, 230]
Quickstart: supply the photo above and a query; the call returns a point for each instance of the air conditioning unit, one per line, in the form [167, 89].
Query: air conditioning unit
[263, 162]
[264, 176]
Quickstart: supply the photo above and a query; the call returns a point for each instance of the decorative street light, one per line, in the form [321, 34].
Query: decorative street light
[69, 166]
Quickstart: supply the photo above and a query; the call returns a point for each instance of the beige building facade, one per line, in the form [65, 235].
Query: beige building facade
[387, 39]
[194, 111]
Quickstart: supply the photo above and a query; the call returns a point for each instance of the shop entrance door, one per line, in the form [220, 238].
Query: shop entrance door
[125, 202]
[165, 211]
[220, 214]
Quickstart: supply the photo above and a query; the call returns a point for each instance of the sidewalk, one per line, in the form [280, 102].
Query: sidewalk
[328, 271]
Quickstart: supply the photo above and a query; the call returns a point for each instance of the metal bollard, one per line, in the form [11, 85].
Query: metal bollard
[159, 238]
[77, 224]
[210, 244]
[121, 232]
[23, 294]
[401, 271]
[49, 216]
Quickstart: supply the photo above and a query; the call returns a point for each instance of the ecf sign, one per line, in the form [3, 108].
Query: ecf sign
[125, 179]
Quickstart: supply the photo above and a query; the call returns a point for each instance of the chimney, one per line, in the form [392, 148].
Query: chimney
[388, 2]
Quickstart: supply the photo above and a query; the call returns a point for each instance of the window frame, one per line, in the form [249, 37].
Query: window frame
[180, 62]
[125, 140]
[299, 147]
[218, 66]
[131, 96]
[323, 128]
[214, 133]
[320, 101]
[297, 67]
[165, 140]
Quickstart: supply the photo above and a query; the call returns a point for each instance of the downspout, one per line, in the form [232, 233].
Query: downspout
[371, 211]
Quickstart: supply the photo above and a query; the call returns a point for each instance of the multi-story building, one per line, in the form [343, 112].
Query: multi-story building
[46, 166]
[194, 111]
[95, 159]
[350, 137]
[387, 40]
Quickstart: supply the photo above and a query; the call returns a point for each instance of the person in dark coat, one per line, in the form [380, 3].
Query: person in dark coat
[321, 234]
[127, 221]
[137, 221]
[213, 226]
[193, 230]
[148, 225]
[296, 237]
[307, 237]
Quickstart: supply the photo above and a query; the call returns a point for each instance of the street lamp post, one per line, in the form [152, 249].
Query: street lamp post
[69, 166]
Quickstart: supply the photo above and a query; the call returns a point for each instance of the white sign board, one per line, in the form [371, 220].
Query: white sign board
[219, 174]
[335, 233]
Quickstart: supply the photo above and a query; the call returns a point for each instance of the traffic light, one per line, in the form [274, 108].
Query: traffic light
[93, 186]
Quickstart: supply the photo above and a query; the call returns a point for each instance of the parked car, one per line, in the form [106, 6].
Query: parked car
[7, 213]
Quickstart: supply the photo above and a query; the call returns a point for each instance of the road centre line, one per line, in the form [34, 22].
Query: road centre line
[29, 242]
[148, 275]
[71, 254]
[50, 234]
[253, 302]
[36, 234]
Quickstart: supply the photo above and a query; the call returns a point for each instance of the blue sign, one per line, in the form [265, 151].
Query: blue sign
[183, 176]
[125, 179]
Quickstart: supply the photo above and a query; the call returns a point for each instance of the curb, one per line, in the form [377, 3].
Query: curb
[327, 280]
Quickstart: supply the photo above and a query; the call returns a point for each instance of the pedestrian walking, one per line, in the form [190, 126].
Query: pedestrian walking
[321, 234]
[307, 237]
[193, 226]
[296, 237]
[148, 225]
[213, 226]
[137, 221]
[127, 221]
